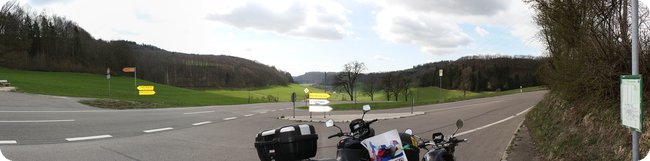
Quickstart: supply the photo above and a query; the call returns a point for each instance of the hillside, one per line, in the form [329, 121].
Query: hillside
[315, 78]
[36, 41]
[122, 88]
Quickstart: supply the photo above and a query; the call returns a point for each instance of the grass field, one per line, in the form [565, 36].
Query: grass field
[283, 93]
[124, 95]
[122, 88]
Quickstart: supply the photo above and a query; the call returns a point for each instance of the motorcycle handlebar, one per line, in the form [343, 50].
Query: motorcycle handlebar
[335, 135]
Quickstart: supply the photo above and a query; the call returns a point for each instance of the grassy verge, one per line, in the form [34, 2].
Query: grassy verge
[561, 130]
[123, 91]
[431, 95]
[268, 94]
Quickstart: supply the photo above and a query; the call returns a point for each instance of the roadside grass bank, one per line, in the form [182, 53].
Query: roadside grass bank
[561, 130]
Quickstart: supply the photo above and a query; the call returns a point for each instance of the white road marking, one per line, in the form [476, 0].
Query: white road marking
[249, 115]
[189, 113]
[461, 106]
[158, 130]
[2, 157]
[263, 112]
[230, 118]
[201, 123]
[8, 142]
[88, 138]
[32, 121]
[494, 123]
[272, 110]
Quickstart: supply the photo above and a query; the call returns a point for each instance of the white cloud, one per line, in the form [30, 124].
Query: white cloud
[481, 31]
[320, 20]
[382, 58]
[434, 35]
[434, 26]
[460, 7]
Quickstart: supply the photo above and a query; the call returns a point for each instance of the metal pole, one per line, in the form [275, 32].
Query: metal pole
[294, 109]
[412, 103]
[635, 68]
[135, 80]
[109, 87]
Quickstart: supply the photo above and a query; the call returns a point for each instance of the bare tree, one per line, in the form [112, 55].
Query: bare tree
[347, 79]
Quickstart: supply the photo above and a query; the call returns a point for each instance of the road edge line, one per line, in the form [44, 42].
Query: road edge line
[512, 140]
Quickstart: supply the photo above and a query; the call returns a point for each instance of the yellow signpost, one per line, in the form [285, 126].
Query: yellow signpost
[146, 93]
[146, 90]
[319, 95]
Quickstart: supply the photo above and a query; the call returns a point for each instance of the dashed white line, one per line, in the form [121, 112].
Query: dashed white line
[263, 112]
[201, 123]
[272, 110]
[8, 142]
[230, 118]
[32, 121]
[249, 115]
[88, 138]
[189, 113]
[158, 130]
[494, 123]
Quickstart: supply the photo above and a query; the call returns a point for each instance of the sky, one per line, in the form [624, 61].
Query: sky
[300, 36]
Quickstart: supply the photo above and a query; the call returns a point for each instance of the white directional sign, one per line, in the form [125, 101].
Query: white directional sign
[631, 114]
[318, 102]
[320, 108]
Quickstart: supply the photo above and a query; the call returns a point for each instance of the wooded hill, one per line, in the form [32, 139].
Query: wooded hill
[32, 41]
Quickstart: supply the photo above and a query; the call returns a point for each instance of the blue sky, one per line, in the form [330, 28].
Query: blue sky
[302, 36]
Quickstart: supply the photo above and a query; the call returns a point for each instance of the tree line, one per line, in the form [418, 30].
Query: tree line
[471, 73]
[37, 41]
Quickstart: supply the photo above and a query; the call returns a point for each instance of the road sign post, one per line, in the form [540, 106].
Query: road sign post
[293, 99]
[319, 102]
[108, 76]
[135, 74]
[635, 71]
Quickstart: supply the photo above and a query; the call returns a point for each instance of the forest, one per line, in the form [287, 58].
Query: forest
[37, 41]
[471, 73]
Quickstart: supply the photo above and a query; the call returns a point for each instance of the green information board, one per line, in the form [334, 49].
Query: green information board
[631, 101]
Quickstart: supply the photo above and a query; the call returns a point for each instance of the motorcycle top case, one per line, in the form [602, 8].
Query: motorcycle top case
[295, 142]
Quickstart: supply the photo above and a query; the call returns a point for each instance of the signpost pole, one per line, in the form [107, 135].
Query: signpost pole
[135, 78]
[635, 69]
[412, 103]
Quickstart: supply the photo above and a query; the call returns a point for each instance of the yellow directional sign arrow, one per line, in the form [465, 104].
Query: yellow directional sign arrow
[145, 88]
[319, 95]
[146, 93]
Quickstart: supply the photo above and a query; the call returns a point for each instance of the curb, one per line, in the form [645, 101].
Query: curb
[505, 155]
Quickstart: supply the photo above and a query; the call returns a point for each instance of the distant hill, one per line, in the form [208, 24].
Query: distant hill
[32, 41]
[315, 78]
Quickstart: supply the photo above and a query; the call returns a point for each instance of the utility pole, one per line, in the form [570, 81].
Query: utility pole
[635, 68]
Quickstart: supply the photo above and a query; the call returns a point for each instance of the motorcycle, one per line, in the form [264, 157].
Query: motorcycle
[349, 148]
[441, 149]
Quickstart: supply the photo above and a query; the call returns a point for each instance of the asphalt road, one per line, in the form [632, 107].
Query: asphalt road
[37, 127]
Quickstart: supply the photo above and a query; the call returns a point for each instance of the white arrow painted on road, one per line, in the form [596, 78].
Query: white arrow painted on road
[2, 157]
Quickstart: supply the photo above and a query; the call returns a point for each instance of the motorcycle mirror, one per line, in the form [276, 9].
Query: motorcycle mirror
[329, 123]
[366, 108]
[459, 123]
[408, 131]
